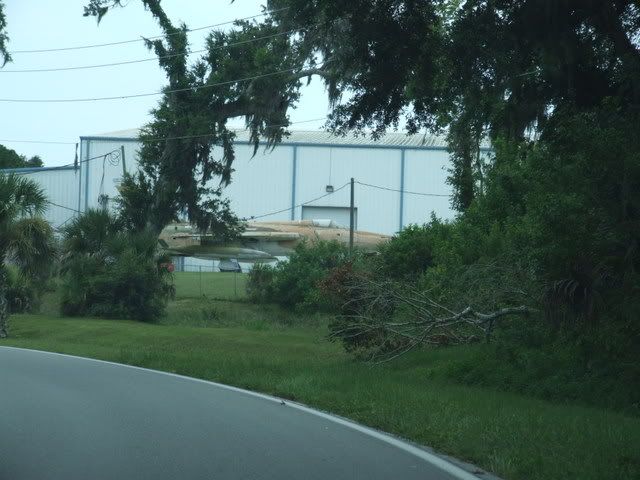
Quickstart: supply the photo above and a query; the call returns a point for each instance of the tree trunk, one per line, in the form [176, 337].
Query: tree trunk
[4, 309]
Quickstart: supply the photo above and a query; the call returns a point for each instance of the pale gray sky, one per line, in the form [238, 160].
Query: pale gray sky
[42, 24]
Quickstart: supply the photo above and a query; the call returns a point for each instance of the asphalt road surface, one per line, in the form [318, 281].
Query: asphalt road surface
[70, 418]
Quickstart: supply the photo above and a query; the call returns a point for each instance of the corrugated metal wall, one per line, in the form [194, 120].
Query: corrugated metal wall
[277, 180]
[102, 169]
[61, 188]
[378, 210]
[426, 172]
[261, 184]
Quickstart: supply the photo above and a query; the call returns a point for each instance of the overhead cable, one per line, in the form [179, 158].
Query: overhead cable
[252, 217]
[402, 191]
[162, 139]
[151, 59]
[81, 47]
[62, 206]
[64, 167]
[46, 142]
[151, 94]
[186, 137]
[257, 217]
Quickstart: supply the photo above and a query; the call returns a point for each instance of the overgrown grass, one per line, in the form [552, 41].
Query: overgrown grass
[557, 371]
[225, 305]
[204, 312]
[511, 435]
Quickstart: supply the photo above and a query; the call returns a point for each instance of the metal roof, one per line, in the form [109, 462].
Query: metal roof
[319, 137]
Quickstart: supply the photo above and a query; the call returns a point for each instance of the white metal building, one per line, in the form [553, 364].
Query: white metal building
[400, 179]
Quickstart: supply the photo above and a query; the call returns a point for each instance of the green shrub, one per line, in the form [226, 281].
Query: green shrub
[112, 274]
[295, 283]
[260, 283]
[22, 292]
[131, 287]
[412, 251]
[550, 366]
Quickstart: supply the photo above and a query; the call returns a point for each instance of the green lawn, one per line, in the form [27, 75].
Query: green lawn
[223, 303]
[225, 286]
[269, 350]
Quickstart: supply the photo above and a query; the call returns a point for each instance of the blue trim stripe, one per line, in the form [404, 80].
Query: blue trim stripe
[82, 147]
[34, 169]
[86, 182]
[293, 182]
[402, 169]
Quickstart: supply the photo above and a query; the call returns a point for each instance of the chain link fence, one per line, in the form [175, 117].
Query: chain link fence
[205, 279]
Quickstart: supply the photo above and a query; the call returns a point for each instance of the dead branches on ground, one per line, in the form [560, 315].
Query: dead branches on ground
[368, 323]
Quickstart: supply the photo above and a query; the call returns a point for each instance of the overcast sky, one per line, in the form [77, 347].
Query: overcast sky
[46, 24]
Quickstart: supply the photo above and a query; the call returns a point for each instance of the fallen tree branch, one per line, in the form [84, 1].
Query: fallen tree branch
[368, 325]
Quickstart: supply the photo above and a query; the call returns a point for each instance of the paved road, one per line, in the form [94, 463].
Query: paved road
[70, 418]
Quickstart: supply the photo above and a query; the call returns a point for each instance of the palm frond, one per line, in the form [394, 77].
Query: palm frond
[31, 246]
[20, 196]
[87, 233]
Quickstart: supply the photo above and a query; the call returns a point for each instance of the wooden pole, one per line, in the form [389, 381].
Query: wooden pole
[351, 217]
[124, 161]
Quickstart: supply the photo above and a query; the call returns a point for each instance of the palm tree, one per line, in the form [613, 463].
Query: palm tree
[110, 269]
[26, 239]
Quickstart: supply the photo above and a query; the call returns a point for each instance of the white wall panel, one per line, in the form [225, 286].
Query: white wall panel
[378, 210]
[261, 184]
[426, 172]
[61, 188]
[93, 183]
[339, 215]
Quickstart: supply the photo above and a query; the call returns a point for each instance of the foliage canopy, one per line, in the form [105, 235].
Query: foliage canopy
[10, 159]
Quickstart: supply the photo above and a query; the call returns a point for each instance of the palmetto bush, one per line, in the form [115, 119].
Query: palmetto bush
[27, 247]
[110, 272]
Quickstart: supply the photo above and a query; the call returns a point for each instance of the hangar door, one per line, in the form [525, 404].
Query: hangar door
[339, 215]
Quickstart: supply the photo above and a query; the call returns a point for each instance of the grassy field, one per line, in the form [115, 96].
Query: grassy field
[223, 303]
[267, 350]
[221, 286]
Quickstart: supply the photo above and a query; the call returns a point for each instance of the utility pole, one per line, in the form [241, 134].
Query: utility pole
[124, 161]
[351, 218]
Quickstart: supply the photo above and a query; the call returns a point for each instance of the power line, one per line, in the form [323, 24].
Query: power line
[42, 169]
[297, 206]
[161, 57]
[245, 219]
[64, 167]
[258, 217]
[45, 142]
[80, 47]
[186, 137]
[402, 191]
[74, 210]
[62, 206]
[161, 139]
[65, 222]
[151, 94]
